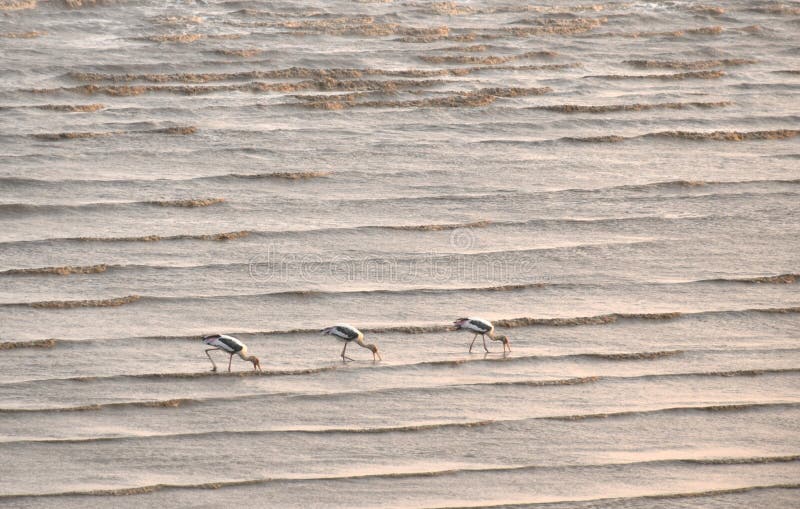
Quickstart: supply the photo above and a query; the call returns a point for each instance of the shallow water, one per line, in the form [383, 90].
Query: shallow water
[614, 184]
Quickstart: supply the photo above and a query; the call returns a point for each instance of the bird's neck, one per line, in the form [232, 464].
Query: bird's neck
[243, 354]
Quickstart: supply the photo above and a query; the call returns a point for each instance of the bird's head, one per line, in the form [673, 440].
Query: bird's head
[256, 363]
[506, 342]
[375, 355]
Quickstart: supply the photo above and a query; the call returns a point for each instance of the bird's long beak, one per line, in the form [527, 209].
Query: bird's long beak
[376, 354]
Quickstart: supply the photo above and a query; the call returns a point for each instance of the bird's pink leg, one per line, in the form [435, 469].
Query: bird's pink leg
[473, 342]
[344, 357]
[484, 343]
[212, 360]
[229, 362]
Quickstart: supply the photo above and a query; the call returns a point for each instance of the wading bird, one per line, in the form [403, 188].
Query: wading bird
[482, 327]
[348, 333]
[231, 346]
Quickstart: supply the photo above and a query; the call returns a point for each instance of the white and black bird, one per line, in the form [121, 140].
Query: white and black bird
[482, 327]
[231, 346]
[348, 334]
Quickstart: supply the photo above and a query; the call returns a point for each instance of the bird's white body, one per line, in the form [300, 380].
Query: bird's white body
[482, 327]
[478, 325]
[347, 334]
[231, 346]
[344, 332]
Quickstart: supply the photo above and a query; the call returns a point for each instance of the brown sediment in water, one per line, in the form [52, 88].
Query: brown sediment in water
[690, 65]
[70, 304]
[704, 75]
[711, 10]
[477, 98]
[364, 26]
[191, 203]
[441, 227]
[283, 175]
[177, 20]
[448, 8]
[244, 52]
[780, 134]
[73, 108]
[788, 71]
[555, 26]
[158, 238]
[610, 138]
[61, 271]
[321, 85]
[289, 73]
[584, 320]
[22, 35]
[576, 108]
[69, 136]
[40, 343]
[488, 60]
[464, 59]
[80, 135]
[781, 279]
[77, 4]
[636, 355]
[711, 30]
[290, 175]
[179, 38]
[172, 130]
[475, 48]
[222, 236]
[17, 5]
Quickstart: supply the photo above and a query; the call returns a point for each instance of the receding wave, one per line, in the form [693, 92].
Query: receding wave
[477, 98]
[626, 356]
[550, 322]
[191, 203]
[689, 65]
[632, 499]
[61, 271]
[170, 403]
[672, 410]
[439, 227]
[72, 108]
[32, 208]
[703, 75]
[101, 134]
[779, 279]
[330, 84]
[215, 485]
[576, 108]
[281, 175]
[70, 304]
[303, 73]
[158, 238]
[39, 343]
[778, 134]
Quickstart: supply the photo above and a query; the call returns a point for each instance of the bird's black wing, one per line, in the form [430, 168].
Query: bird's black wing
[480, 325]
[235, 346]
[346, 332]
